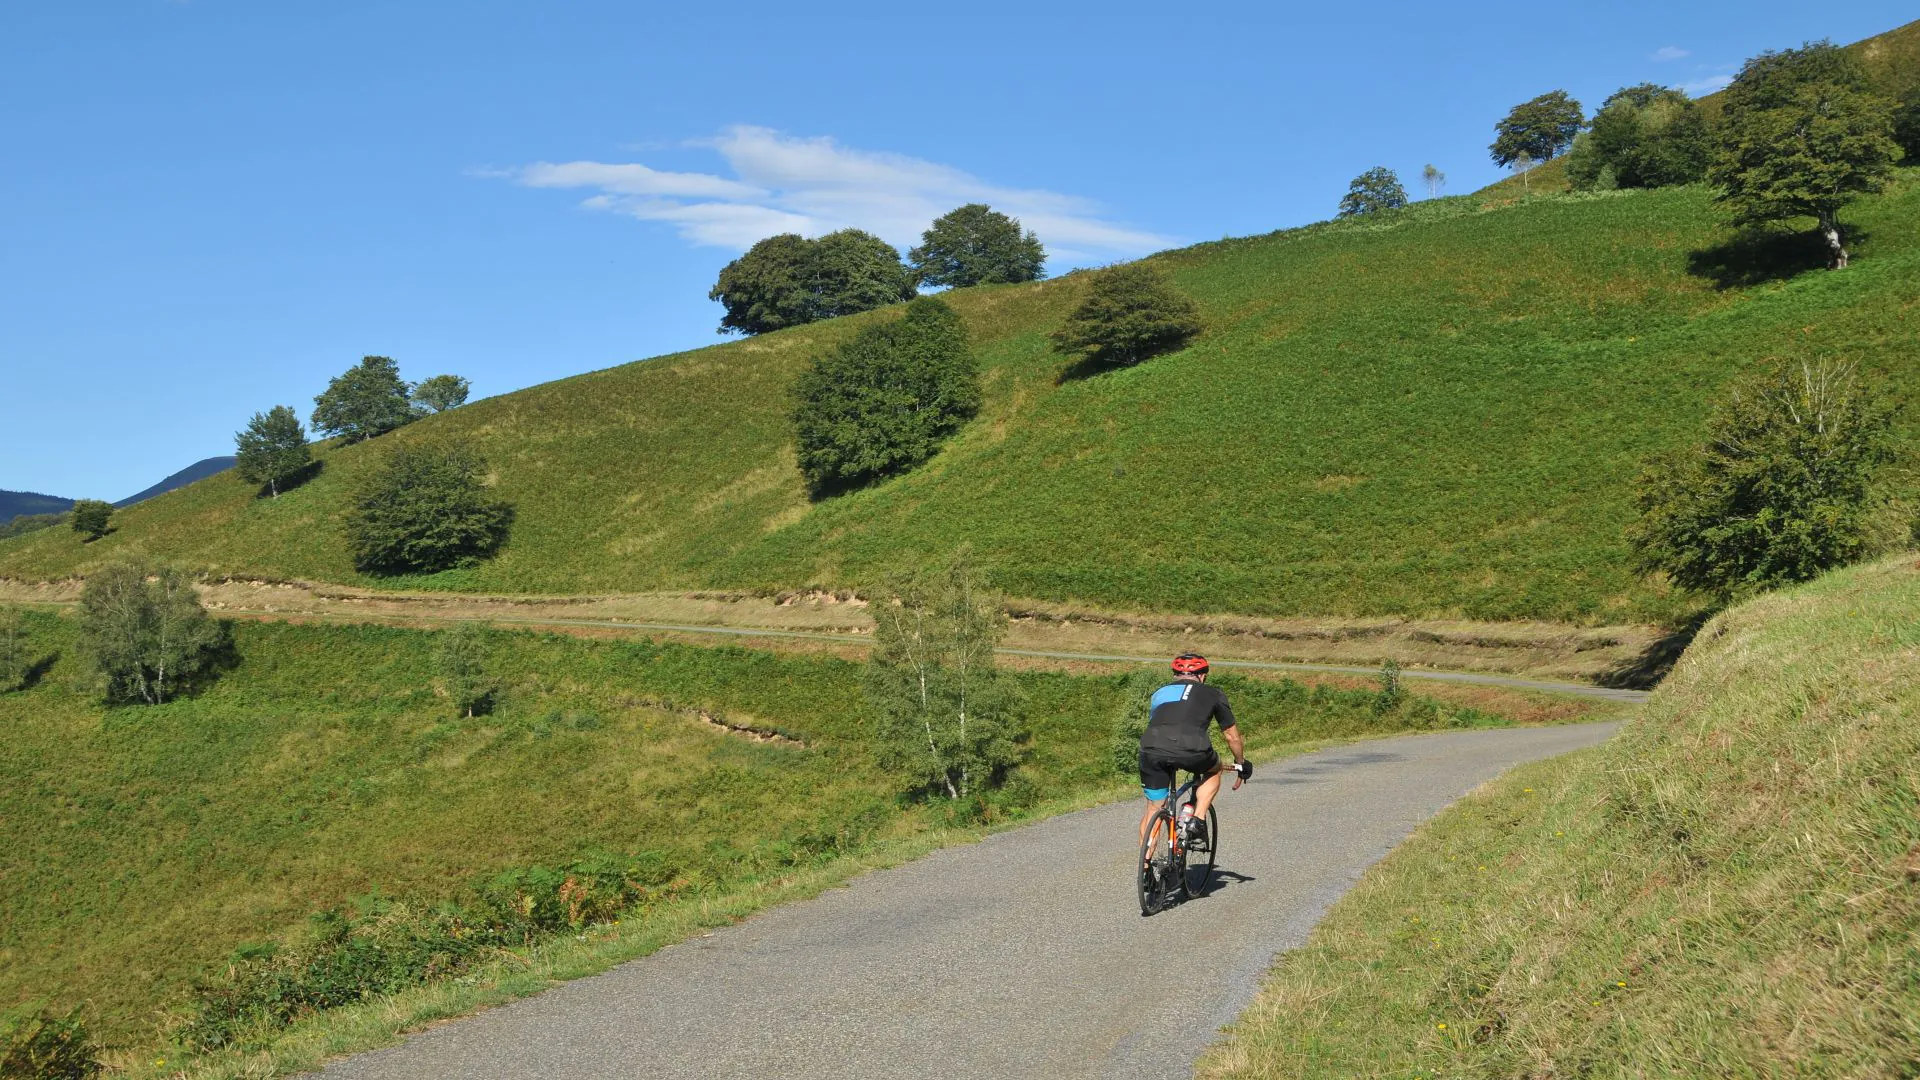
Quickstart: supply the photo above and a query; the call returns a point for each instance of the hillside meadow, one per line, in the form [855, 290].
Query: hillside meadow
[1434, 412]
[146, 844]
[1730, 887]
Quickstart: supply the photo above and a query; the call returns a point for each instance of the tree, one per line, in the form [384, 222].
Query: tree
[1906, 126]
[273, 450]
[1644, 136]
[944, 716]
[425, 510]
[442, 392]
[1376, 189]
[788, 280]
[13, 649]
[1780, 491]
[462, 662]
[885, 401]
[366, 400]
[1131, 314]
[1523, 165]
[1435, 180]
[1802, 136]
[1539, 129]
[144, 634]
[91, 518]
[976, 245]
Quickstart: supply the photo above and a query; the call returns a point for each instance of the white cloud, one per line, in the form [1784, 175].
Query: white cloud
[1708, 85]
[785, 183]
[1669, 52]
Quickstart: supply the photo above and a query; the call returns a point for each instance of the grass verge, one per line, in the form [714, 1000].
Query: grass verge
[1731, 887]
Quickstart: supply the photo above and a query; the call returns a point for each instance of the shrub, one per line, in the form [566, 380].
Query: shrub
[945, 718]
[366, 400]
[442, 392]
[1376, 189]
[1391, 692]
[273, 450]
[1130, 718]
[144, 634]
[885, 401]
[461, 659]
[426, 509]
[788, 280]
[39, 1044]
[977, 245]
[1131, 313]
[1906, 126]
[91, 518]
[1537, 130]
[1779, 491]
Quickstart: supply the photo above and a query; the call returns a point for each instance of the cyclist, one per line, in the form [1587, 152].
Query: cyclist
[1176, 739]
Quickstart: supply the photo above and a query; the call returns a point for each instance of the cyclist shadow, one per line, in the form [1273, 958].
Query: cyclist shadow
[1219, 880]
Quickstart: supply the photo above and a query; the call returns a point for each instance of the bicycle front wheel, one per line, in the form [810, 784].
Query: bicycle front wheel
[1156, 866]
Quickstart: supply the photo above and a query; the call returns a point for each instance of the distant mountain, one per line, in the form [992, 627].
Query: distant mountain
[20, 503]
[15, 503]
[199, 470]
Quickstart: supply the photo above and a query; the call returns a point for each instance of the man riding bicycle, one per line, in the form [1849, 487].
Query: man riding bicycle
[1176, 739]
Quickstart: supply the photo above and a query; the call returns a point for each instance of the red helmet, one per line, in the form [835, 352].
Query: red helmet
[1189, 663]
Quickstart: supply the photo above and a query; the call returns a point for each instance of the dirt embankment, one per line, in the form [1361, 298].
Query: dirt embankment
[1533, 649]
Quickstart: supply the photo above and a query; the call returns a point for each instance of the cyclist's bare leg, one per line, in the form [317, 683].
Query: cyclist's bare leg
[1147, 819]
[1203, 797]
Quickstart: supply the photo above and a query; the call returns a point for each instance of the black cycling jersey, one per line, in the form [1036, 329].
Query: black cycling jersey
[1182, 709]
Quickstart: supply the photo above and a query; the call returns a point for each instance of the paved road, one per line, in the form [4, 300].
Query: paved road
[1022, 956]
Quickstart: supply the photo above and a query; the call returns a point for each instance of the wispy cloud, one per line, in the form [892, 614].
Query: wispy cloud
[785, 183]
[1708, 85]
[1669, 52]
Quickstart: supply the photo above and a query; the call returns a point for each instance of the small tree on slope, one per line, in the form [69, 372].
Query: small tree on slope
[1779, 492]
[945, 718]
[144, 633]
[273, 449]
[462, 662]
[977, 245]
[1802, 136]
[1376, 189]
[1131, 313]
[91, 518]
[366, 400]
[1537, 130]
[426, 509]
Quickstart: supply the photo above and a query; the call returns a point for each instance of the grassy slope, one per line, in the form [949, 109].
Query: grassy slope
[1729, 888]
[145, 843]
[1440, 416]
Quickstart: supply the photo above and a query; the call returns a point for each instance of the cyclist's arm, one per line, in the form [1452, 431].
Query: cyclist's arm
[1239, 748]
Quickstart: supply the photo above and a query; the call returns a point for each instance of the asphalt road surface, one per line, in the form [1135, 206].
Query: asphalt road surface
[1024, 955]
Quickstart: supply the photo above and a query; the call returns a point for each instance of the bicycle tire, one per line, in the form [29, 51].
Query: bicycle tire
[1156, 851]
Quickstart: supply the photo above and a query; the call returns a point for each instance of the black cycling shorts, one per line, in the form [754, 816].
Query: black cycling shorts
[1157, 768]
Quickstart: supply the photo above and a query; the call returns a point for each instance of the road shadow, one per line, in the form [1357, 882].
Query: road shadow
[1303, 770]
[1217, 881]
[1757, 256]
[1644, 672]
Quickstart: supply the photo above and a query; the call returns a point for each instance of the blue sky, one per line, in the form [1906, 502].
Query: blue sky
[209, 207]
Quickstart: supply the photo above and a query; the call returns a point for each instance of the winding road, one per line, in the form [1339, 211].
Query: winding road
[1024, 955]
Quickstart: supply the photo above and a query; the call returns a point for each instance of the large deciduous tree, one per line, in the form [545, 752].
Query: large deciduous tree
[1537, 130]
[144, 634]
[1131, 314]
[789, 280]
[273, 449]
[1803, 134]
[366, 400]
[885, 401]
[945, 718]
[1376, 189]
[1778, 492]
[977, 245]
[1644, 136]
[426, 509]
[442, 392]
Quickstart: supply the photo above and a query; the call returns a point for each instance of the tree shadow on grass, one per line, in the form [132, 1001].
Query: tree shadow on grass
[1757, 256]
[37, 671]
[307, 472]
[1645, 671]
[1085, 367]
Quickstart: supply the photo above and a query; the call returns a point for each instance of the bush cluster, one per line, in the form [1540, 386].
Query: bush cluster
[426, 509]
[1132, 313]
[37, 1043]
[789, 280]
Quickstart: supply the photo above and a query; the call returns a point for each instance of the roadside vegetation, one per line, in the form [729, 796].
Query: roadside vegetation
[1730, 887]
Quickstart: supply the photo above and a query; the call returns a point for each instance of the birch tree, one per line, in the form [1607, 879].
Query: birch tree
[144, 632]
[945, 718]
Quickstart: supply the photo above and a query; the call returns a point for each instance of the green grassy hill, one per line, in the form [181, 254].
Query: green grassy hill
[1731, 887]
[1433, 413]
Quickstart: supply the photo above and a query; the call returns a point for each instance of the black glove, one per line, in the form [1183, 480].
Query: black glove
[1244, 768]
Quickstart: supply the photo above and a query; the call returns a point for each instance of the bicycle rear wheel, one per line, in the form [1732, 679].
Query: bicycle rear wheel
[1156, 867]
[1199, 875]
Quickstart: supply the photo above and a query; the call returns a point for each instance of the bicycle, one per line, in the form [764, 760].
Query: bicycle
[1166, 871]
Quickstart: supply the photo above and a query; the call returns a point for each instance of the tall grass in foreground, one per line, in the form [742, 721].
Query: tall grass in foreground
[1731, 887]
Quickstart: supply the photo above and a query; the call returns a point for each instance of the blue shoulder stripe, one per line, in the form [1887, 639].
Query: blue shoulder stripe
[1170, 692]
